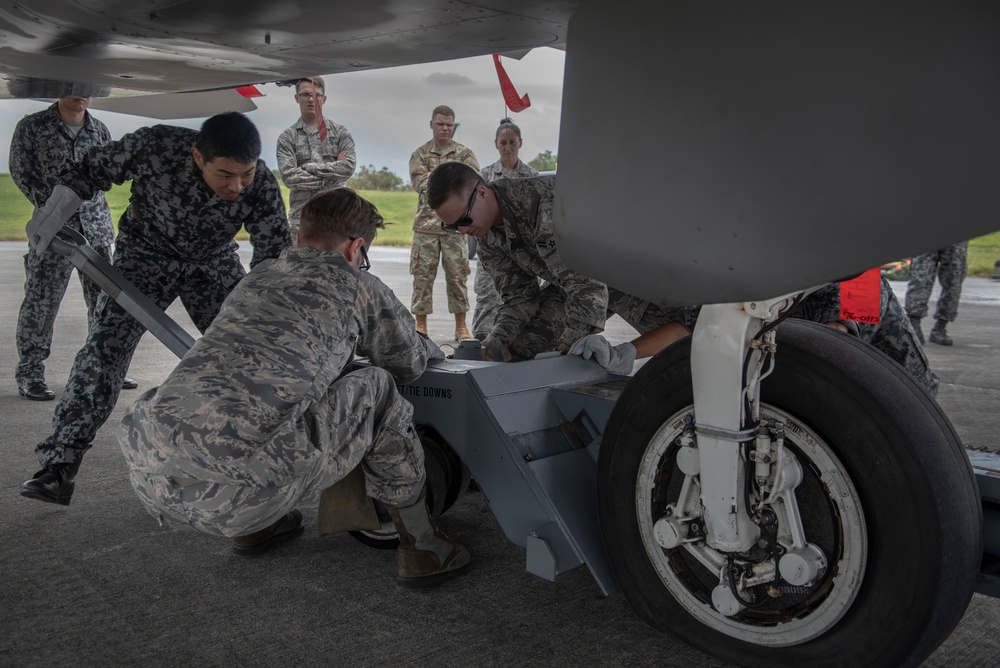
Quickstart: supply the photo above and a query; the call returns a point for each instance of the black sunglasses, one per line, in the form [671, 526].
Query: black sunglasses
[465, 220]
[365, 263]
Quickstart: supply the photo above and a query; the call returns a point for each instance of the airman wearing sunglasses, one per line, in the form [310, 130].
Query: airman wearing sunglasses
[512, 219]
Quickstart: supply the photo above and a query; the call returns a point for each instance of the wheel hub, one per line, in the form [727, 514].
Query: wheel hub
[784, 590]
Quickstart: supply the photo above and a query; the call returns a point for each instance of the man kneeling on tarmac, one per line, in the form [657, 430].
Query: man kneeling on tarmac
[260, 413]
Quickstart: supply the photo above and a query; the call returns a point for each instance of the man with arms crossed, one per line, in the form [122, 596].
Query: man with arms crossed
[314, 154]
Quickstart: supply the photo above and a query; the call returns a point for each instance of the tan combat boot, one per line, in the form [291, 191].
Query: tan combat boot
[422, 323]
[425, 557]
[461, 331]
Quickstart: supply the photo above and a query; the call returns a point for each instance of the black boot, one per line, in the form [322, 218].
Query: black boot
[53, 484]
[939, 335]
[35, 390]
[916, 326]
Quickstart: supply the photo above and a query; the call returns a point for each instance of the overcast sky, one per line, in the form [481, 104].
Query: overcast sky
[388, 111]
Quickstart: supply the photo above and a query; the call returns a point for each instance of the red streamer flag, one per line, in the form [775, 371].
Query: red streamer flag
[319, 118]
[861, 298]
[514, 102]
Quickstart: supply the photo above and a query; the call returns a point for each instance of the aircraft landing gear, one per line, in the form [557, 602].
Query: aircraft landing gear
[851, 456]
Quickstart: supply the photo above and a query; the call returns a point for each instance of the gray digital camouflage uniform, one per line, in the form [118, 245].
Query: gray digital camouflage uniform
[537, 318]
[175, 239]
[260, 413]
[894, 334]
[487, 297]
[534, 319]
[949, 265]
[40, 151]
[308, 166]
[430, 241]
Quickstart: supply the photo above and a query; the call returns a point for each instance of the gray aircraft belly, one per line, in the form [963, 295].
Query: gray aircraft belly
[728, 151]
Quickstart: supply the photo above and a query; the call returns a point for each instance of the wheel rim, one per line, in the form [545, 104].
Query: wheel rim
[834, 521]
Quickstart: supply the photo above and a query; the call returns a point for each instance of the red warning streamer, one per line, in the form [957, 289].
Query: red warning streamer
[319, 119]
[510, 96]
[860, 298]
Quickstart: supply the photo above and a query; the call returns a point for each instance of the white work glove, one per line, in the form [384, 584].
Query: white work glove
[48, 219]
[615, 359]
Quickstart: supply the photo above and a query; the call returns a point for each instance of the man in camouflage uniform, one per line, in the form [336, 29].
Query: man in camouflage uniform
[44, 144]
[949, 265]
[265, 410]
[191, 193]
[430, 241]
[512, 220]
[310, 157]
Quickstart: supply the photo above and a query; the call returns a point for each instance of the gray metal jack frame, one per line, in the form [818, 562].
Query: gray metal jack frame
[528, 432]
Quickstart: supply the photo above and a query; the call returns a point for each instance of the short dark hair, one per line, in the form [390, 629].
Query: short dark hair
[505, 124]
[331, 216]
[442, 109]
[229, 135]
[449, 179]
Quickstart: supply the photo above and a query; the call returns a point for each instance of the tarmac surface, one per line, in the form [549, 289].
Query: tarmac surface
[99, 583]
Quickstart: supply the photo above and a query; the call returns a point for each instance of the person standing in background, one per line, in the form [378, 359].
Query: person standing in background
[314, 154]
[949, 265]
[430, 240]
[44, 145]
[508, 142]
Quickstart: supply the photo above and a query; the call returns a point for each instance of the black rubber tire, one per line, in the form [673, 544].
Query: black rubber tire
[915, 483]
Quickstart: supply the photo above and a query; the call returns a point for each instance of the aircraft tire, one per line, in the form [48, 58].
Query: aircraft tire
[853, 414]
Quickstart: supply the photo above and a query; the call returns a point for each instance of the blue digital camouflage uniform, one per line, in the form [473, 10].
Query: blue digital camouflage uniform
[175, 239]
[40, 152]
[430, 241]
[308, 165]
[487, 297]
[894, 334]
[260, 413]
[949, 265]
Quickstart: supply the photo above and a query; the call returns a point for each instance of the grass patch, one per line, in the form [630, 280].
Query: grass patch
[398, 210]
[15, 211]
[984, 252]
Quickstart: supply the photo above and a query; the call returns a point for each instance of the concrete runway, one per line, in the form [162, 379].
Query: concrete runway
[98, 583]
